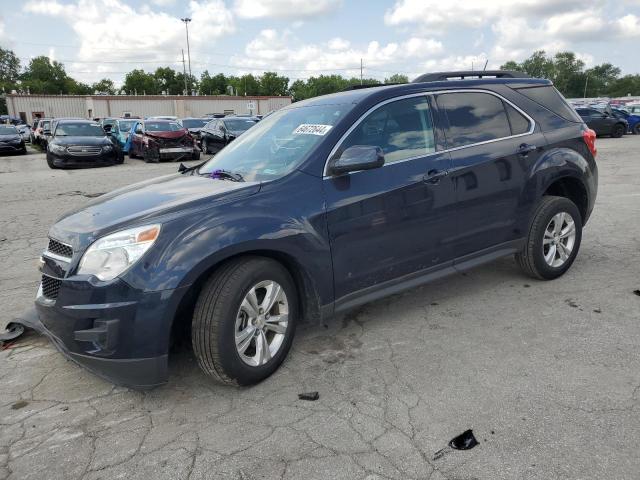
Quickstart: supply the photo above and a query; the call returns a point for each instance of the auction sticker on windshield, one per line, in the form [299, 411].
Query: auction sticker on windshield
[310, 129]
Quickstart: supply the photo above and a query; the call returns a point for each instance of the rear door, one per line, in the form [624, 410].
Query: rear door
[492, 145]
[388, 223]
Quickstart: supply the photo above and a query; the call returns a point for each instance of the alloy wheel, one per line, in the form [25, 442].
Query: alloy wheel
[261, 323]
[559, 239]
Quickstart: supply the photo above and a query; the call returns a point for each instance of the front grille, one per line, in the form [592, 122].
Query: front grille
[80, 151]
[50, 287]
[60, 248]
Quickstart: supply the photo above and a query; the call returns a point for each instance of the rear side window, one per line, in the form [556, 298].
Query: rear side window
[403, 129]
[551, 99]
[519, 123]
[473, 118]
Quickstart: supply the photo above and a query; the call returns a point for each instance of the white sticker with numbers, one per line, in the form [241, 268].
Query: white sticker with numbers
[310, 129]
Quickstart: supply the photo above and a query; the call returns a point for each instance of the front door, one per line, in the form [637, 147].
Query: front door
[388, 223]
[493, 147]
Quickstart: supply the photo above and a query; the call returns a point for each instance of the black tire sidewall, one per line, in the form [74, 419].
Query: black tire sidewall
[230, 360]
[618, 131]
[636, 129]
[558, 205]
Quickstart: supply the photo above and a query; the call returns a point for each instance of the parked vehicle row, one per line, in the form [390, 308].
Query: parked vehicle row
[324, 206]
[11, 140]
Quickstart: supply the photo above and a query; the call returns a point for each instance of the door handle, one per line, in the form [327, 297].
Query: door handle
[433, 176]
[525, 149]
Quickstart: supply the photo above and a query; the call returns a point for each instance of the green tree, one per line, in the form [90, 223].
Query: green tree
[397, 78]
[245, 85]
[569, 75]
[273, 84]
[45, 76]
[165, 78]
[104, 86]
[539, 65]
[216, 85]
[511, 65]
[600, 79]
[139, 82]
[623, 86]
[9, 69]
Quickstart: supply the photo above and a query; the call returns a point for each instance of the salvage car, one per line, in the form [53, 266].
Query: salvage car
[220, 132]
[325, 205]
[158, 140]
[25, 132]
[194, 125]
[633, 120]
[42, 132]
[11, 140]
[82, 143]
[603, 123]
[120, 129]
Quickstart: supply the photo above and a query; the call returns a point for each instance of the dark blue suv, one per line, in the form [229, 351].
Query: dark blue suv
[319, 208]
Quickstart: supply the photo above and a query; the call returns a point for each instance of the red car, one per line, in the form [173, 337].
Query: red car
[157, 140]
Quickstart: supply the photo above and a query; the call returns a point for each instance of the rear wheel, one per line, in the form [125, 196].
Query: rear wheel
[244, 321]
[554, 239]
[618, 130]
[636, 129]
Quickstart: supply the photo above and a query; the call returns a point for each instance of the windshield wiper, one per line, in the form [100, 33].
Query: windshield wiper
[226, 175]
[184, 169]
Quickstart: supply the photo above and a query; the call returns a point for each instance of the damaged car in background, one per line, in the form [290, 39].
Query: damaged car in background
[194, 125]
[158, 140]
[220, 132]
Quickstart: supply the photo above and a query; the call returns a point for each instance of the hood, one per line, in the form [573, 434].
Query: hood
[194, 129]
[12, 136]
[154, 200]
[84, 141]
[170, 135]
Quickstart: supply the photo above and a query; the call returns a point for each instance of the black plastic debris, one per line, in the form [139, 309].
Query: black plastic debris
[310, 396]
[464, 441]
[637, 292]
[13, 331]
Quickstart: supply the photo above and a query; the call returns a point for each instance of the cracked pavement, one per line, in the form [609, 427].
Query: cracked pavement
[547, 374]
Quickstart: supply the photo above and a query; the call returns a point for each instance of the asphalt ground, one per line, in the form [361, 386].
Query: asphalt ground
[547, 374]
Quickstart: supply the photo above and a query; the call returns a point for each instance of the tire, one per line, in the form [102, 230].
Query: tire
[617, 130]
[51, 164]
[636, 128]
[131, 154]
[532, 258]
[120, 159]
[148, 158]
[195, 155]
[205, 146]
[218, 311]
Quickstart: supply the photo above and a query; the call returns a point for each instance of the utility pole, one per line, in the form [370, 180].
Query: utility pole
[586, 81]
[186, 26]
[184, 69]
[360, 71]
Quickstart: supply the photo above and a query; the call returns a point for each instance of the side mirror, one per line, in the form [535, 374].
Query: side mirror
[358, 157]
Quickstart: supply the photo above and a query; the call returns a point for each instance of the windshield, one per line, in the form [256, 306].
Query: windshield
[79, 130]
[125, 125]
[195, 122]
[8, 130]
[45, 125]
[162, 126]
[277, 145]
[238, 125]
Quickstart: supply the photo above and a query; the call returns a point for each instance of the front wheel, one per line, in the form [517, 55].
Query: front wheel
[205, 146]
[618, 130]
[554, 239]
[636, 129]
[244, 321]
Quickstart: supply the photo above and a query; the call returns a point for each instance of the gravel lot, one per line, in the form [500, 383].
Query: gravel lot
[547, 374]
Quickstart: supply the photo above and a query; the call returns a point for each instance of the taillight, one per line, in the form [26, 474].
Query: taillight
[589, 137]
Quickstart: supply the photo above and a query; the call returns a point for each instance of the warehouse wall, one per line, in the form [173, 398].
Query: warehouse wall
[140, 105]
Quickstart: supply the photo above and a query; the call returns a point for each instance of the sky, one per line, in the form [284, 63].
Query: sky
[303, 38]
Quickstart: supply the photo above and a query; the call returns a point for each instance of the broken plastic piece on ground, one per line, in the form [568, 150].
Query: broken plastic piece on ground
[464, 441]
[310, 396]
[637, 292]
[13, 330]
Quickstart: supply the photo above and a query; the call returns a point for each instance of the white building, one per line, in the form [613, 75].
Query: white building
[29, 107]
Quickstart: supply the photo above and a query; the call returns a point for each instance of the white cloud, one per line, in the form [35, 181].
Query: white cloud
[112, 31]
[284, 8]
[283, 52]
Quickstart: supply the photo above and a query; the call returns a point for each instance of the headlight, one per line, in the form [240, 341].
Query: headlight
[110, 256]
[55, 148]
[107, 148]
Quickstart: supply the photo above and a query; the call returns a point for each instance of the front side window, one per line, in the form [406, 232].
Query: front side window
[473, 117]
[402, 129]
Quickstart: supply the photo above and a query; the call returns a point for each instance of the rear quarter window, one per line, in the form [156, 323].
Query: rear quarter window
[551, 99]
[473, 117]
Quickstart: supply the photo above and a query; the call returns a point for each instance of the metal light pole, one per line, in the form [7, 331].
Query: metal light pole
[186, 26]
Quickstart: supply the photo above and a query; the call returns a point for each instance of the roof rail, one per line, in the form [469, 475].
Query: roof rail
[462, 75]
[366, 85]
